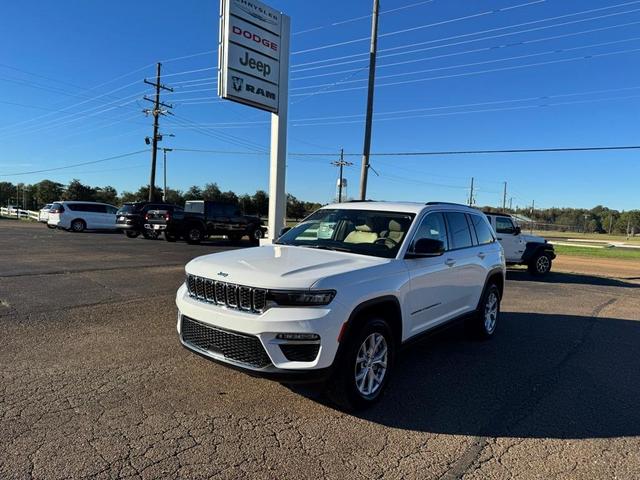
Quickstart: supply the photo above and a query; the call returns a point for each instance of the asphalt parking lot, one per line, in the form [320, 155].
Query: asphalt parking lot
[94, 382]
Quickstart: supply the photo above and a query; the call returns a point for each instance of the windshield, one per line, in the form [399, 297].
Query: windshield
[366, 232]
[130, 208]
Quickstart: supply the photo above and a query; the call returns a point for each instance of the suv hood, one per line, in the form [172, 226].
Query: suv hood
[532, 238]
[278, 266]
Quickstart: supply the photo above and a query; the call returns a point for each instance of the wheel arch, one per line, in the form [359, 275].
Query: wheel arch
[387, 307]
[495, 276]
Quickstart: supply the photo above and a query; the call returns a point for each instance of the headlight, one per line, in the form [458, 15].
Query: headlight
[294, 298]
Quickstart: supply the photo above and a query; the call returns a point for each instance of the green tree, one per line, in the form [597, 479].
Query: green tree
[194, 193]
[261, 202]
[78, 191]
[246, 204]
[47, 191]
[175, 197]
[295, 208]
[211, 192]
[7, 193]
[107, 194]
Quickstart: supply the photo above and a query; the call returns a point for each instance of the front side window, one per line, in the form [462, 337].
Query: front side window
[195, 207]
[432, 227]
[366, 232]
[504, 225]
[459, 230]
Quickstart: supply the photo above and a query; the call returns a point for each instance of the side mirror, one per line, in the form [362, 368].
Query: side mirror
[427, 247]
[284, 230]
[517, 231]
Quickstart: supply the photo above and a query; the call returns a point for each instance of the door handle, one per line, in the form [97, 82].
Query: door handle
[450, 262]
[482, 255]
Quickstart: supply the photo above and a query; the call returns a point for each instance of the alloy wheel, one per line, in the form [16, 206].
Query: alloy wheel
[491, 312]
[542, 264]
[371, 364]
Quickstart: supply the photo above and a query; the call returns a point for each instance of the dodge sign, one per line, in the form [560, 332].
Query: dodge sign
[251, 44]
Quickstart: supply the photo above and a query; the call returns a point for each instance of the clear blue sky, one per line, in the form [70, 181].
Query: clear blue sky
[59, 56]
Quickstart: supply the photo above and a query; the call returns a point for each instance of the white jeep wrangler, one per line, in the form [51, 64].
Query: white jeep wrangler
[335, 297]
[520, 248]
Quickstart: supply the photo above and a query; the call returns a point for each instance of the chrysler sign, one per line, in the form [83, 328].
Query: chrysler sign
[249, 53]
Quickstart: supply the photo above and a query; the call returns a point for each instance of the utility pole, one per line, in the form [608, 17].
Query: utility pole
[510, 203]
[341, 164]
[156, 112]
[164, 172]
[533, 207]
[504, 197]
[471, 193]
[369, 118]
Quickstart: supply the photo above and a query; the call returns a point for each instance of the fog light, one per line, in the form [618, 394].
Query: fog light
[298, 336]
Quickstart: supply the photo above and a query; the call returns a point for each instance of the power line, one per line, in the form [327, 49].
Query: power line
[485, 62]
[361, 17]
[443, 22]
[454, 54]
[124, 155]
[471, 34]
[515, 67]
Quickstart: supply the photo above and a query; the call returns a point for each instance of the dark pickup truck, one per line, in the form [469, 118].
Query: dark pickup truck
[130, 218]
[201, 219]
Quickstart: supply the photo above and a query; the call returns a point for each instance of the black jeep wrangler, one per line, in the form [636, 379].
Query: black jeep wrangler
[130, 218]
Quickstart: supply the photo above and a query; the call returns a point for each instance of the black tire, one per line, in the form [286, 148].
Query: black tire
[255, 236]
[131, 233]
[480, 325]
[77, 226]
[540, 265]
[51, 226]
[194, 234]
[343, 390]
[170, 236]
[150, 234]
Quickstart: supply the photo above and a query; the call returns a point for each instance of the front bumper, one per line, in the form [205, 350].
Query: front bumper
[263, 329]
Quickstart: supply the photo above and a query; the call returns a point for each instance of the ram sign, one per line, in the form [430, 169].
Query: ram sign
[251, 44]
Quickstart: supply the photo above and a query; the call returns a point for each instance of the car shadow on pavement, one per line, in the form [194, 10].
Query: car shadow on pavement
[541, 376]
[570, 278]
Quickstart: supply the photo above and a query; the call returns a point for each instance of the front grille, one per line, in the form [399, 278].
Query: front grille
[241, 348]
[231, 295]
[306, 352]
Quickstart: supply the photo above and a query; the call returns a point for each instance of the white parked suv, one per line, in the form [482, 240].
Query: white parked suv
[79, 216]
[335, 296]
[520, 248]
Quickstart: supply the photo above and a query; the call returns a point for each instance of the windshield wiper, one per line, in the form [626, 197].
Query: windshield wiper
[327, 247]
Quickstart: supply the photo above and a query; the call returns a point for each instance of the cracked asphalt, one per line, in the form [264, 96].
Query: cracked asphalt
[94, 383]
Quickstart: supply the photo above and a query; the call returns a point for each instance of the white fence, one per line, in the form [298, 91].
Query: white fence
[18, 213]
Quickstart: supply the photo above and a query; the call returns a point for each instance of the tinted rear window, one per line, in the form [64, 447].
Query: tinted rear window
[196, 207]
[129, 208]
[459, 230]
[483, 230]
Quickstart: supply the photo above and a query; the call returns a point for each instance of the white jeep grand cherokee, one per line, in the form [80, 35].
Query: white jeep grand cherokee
[336, 296]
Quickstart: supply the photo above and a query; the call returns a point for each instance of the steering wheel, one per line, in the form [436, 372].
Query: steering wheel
[385, 240]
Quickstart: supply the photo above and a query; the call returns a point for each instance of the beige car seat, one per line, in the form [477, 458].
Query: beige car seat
[394, 233]
[362, 234]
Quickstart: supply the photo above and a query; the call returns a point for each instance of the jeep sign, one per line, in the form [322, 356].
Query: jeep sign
[249, 53]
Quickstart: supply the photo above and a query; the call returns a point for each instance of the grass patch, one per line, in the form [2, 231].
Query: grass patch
[602, 237]
[621, 253]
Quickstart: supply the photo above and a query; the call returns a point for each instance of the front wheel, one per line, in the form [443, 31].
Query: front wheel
[364, 367]
[131, 233]
[255, 236]
[540, 264]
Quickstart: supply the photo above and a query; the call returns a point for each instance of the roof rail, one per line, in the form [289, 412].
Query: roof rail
[447, 203]
[501, 214]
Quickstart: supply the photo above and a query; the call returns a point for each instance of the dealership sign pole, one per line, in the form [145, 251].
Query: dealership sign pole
[253, 69]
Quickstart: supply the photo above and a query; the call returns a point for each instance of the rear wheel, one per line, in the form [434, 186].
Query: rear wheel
[364, 367]
[131, 233]
[170, 236]
[483, 324]
[50, 226]
[150, 234]
[195, 234]
[255, 236]
[540, 264]
[78, 226]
